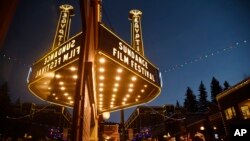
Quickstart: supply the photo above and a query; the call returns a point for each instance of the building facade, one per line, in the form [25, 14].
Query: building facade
[234, 105]
[146, 123]
[32, 121]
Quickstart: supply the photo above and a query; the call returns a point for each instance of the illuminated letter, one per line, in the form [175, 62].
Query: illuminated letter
[114, 51]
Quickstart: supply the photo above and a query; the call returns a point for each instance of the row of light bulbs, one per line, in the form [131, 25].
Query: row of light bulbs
[115, 88]
[62, 85]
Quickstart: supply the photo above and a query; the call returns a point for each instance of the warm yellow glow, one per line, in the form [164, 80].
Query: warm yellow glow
[101, 77]
[58, 76]
[133, 78]
[138, 96]
[130, 90]
[63, 88]
[49, 88]
[45, 83]
[69, 98]
[53, 94]
[145, 86]
[71, 102]
[142, 90]
[100, 102]
[116, 84]
[101, 84]
[72, 68]
[202, 128]
[124, 99]
[115, 89]
[111, 106]
[113, 95]
[100, 89]
[75, 76]
[117, 78]
[56, 98]
[49, 74]
[131, 85]
[101, 69]
[127, 95]
[119, 70]
[101, 99]
[65, 94]
[112, 99]
[106, 115]
[112, 103]
[101, 95]
[136, 99]
[102, 60]
[123, 103]
[61, 83]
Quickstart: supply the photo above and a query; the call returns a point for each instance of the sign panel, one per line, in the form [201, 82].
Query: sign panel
[57, 58]
[115, 48]
[63, 26]
[137, 42]
[53, 77]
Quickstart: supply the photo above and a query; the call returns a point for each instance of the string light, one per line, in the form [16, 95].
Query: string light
[30, 115]
[205, 56]
[173, 68]
[165, 116]
[14, 60]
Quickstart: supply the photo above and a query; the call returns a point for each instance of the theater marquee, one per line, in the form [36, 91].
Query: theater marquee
[53, 77]
[122, 76]
[125, 78]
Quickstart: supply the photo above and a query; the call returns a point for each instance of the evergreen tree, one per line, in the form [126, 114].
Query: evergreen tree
[190, 102]
[215, 89]
[226, 85]
[5, 102]
[177, 105]
[203, 102]
[5, 107]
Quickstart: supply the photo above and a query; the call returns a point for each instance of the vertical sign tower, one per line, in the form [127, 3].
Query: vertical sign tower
[63, 26]
[137, 43]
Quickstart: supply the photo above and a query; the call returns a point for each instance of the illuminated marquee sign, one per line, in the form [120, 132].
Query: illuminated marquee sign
[123, 53]
[63, 25]
[57, 58]
[137, 43]
[53, 77]
[124, 78]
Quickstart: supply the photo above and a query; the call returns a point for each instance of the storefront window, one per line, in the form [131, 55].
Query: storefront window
[245, 111]
[244, 107]
[230, 113]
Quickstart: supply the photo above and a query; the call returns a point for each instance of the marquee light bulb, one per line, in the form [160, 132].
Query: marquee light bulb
[58, 76]
[119, 70]
[73, 68]
[101, 77]
[101, 69]
[106, 115]
[102, 60]
[75, 76]
[133, 78]
[117, 78]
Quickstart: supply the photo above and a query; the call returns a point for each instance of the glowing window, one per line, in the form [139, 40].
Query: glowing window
[245, 111]
[230, 113]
